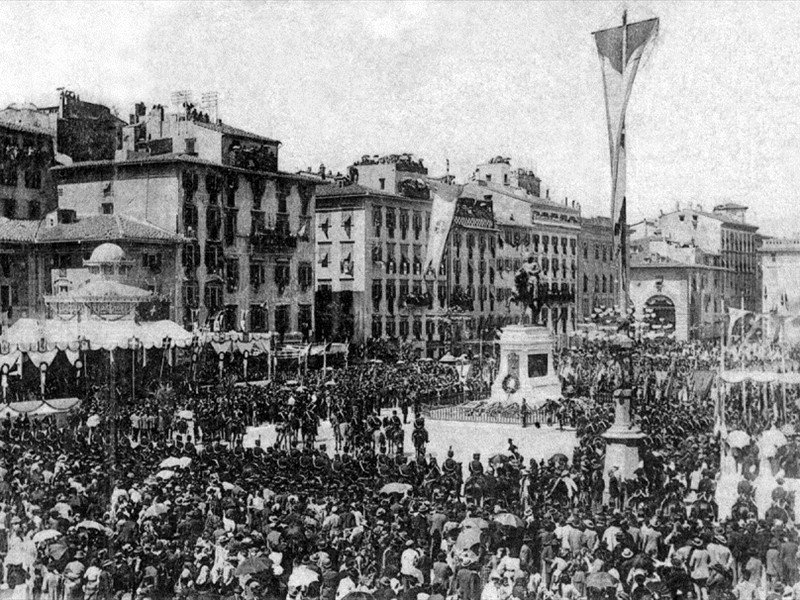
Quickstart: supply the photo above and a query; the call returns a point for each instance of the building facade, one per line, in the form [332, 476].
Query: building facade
[81, 130]
[531, 225]
[371, 242]
[372, 238]
[598, 270]
[247, 252]
[729, 242]
[26, 188]
[779, 260]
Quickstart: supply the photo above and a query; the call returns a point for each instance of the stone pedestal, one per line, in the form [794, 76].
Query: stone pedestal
[622, 441]
[526, 365]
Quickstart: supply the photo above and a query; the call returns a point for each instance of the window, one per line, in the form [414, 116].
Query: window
[390, 329]
[259, 318]
[282, 319]
[258, 274]
[191, 295]
[305, 275]
[597, 252]
[585, 251]
[377, 327]
[404, 224]
[488, 177]
[213, 223]
[377, 293]
[282, 276]
[230, 226]
[555, 245]
[391, 224]
[585, 282]
[403, 291]
[304, 319]
[33, 179]
[107, 208]
[212, 297]
[214, 260]
[232, 274]
[9, 208]
[604, 284]
[376, 221]
[382, 183]
[152, 262]
[34, 209]
[403, 327]
[545, 243]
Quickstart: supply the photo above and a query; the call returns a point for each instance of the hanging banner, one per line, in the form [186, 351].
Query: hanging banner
[443, 210]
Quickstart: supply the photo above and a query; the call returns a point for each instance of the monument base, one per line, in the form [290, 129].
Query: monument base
[622, 442]
[526, 370]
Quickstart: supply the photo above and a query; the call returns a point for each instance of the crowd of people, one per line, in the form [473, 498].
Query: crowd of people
[166, 500]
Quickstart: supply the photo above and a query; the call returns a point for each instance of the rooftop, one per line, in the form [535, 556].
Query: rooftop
[355, 190]
[235, 131]
[24, 128]
[712, 215]
[104, 228]
[179, 158]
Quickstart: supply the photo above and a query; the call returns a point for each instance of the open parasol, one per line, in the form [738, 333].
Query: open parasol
[738, 439]
[474, 523]
[468, 538]
[302, 577]
[600, 581]
[508, 520]
[396, 488]
[45, 535]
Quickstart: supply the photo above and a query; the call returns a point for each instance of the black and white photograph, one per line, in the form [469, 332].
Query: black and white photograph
[399, 300]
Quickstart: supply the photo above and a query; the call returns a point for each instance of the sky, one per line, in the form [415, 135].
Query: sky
[713, 116]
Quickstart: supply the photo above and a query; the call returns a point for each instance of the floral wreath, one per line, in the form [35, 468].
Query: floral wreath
[510, 383]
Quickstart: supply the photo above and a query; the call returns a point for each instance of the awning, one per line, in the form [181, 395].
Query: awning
[790, 378]
[38, 408]
[26, 334]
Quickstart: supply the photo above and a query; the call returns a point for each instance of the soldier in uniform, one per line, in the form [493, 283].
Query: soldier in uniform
[475, 466]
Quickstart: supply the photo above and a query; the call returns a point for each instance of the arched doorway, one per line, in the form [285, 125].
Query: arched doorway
[662, 310]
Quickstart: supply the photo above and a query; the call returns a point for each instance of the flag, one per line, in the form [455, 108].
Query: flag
[442, 213]
[620, 50]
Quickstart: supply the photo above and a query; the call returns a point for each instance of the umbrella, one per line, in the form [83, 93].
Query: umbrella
[165, 474]
[57, 551]
[47, 534]
[169, 463]
[155, 510]
[93, 525]
[508, 519]
[600, 581]
[474, 523]
[359, 596]
[93, 421]
[185, 462]
[773, 437]
[186, 414]
[788, 429]
[468, 538]
[738, 439]
[63, 509]
[395, 488]
[302, 577]
[253, 565]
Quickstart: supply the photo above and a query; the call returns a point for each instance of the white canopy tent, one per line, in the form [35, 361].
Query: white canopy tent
[27, 334]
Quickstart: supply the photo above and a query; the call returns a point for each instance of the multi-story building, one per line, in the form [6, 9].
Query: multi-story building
[530, 225]
[26, 188]
[779, 261]
[597, 268]
[81, 130]
[679, 293]
[725, 235]
[371, 242]
[247, 236]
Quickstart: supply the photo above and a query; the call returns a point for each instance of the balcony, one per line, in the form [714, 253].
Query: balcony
[273, 241]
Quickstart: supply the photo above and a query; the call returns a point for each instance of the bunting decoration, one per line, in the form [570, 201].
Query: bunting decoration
[620, 50]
